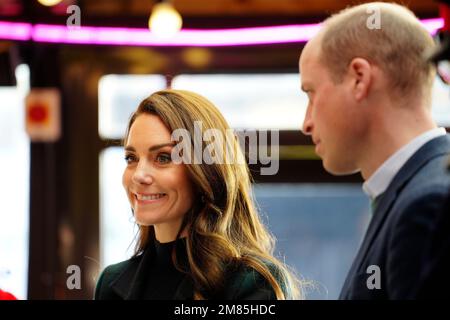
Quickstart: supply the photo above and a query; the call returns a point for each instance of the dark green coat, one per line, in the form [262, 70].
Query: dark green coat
[125, 280]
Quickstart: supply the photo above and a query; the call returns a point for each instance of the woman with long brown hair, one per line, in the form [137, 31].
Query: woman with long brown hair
[200, 235]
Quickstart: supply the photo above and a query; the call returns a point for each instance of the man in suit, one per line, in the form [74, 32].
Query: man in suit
[435, 278]
[369, 111]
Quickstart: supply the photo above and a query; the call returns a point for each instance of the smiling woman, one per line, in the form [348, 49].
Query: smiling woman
[200, 235]
[159, 191]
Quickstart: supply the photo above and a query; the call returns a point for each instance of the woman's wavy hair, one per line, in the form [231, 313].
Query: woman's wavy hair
[223, 227]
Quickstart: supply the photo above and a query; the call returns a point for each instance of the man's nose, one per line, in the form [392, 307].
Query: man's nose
[143, 174]
[307, 123]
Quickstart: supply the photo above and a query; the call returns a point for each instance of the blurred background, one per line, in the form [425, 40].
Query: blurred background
[71, 73]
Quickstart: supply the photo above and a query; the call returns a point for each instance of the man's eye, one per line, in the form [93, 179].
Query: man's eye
[129, 158]
[163, 158]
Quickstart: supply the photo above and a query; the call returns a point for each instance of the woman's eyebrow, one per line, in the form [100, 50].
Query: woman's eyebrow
[159, 146]
[152, 148]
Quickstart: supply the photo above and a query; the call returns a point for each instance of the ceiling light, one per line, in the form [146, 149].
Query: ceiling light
[49, 3]
[165, 21]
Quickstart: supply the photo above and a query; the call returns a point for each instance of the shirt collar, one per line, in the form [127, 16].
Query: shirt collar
[382, 177]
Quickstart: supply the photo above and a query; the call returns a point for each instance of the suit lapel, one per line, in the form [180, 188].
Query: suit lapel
[185, 290]
[129, 284]
[434, 148]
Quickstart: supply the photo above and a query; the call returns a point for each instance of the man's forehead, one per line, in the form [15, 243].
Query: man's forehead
[310, 53]
[312, 47]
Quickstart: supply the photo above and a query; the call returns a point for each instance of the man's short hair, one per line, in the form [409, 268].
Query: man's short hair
[397, 45]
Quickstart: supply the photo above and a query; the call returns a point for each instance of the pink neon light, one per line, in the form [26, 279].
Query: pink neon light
[15, 31]
[186, 37]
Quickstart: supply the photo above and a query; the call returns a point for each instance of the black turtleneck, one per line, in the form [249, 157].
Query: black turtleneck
[152, 275]
[163, 278]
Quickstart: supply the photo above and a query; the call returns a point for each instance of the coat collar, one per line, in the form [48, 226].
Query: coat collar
[432, 149]
[436, 147]
[129, 284]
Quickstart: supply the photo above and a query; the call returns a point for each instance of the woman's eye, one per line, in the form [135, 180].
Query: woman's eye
[129, 158]
[163, 158]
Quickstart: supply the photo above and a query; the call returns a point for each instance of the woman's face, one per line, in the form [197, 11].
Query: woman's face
[159, 191]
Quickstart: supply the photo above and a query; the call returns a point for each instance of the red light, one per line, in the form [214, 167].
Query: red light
[38, 113]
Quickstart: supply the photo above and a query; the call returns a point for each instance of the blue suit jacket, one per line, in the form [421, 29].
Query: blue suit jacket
[435, 281]
[401, 229]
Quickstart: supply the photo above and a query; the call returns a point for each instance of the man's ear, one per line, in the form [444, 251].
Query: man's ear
[360, 72]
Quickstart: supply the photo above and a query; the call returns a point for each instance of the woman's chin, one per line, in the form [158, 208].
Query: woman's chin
[144, 220]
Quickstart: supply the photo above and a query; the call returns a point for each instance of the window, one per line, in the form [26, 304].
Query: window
[14, 187]
[318, 228]
[257, 101]
[119, 96]
[441, 103]
[248, 101]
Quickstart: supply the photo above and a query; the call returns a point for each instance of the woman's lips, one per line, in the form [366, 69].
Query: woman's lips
[150, 198]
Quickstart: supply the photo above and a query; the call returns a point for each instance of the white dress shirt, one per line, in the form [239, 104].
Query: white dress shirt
[382, 177]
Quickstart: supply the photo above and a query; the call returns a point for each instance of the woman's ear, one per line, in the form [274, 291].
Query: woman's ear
[360, 72]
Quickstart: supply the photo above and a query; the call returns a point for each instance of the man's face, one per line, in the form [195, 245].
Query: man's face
[332, 117]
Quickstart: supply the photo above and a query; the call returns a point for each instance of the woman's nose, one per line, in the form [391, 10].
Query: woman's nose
[143, 174]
